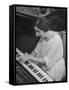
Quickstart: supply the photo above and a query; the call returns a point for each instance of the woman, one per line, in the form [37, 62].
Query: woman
[48, 53]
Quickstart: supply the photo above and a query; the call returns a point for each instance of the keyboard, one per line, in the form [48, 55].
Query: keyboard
[23, 75]
[30, 71]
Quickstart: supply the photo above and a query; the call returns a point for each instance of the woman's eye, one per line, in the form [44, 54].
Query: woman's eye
[37, 31]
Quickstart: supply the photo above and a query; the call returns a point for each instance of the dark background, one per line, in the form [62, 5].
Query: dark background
[25, 34]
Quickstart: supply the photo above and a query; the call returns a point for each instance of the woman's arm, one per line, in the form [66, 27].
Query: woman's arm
[34, 59]
[55, 53]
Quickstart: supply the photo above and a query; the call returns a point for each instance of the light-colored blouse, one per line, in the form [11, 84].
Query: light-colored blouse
[50, 49]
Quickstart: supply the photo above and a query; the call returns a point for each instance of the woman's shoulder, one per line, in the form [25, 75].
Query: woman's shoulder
[52, 37]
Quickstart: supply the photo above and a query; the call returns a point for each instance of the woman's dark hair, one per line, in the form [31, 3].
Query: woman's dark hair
[51, 22]
[42, 10]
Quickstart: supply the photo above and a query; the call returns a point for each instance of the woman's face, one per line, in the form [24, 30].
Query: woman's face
[39, 32]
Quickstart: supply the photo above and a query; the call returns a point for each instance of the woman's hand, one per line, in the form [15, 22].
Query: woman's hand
[33, 53]
[29, 56]
[34, 59]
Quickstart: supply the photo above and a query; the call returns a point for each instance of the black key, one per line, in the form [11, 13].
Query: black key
[26, 63]
[31, 67]
[40, 75]
[45, 79]
[35, 70]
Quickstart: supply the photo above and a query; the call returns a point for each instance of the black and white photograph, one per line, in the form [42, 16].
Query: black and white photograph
[40, 44]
